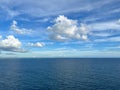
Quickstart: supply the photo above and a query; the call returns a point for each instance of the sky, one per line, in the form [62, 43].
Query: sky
[59, 28]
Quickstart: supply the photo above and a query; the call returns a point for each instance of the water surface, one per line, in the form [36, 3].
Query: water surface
[60, 74]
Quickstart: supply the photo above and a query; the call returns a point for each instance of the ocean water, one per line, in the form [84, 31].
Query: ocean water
[60, 74]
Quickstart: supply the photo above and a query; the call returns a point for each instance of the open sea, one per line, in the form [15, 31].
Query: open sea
[60, 74]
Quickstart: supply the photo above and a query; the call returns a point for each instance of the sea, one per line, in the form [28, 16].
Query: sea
[60, 74]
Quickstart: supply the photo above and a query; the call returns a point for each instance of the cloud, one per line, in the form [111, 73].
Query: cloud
[37, 44]
[119, 21]
[19, 30]
[9, 53]
[102, 34]
[113, 25]
[0, 36]
[11, 44]
[111, 39]
[40, 8]
[67, 29]
[9, 12]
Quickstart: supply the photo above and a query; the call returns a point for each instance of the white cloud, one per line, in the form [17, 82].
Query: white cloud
[111, 39]
[37, 44]
[11, 44]
[0, 36]
[119, 21]
[102, 34]
[67, 29]
[9, 12]
[19, 30]
[40, 7]
[114, 25]
[108, 29]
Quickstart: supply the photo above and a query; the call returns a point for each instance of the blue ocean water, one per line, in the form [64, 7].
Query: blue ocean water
[60, 74]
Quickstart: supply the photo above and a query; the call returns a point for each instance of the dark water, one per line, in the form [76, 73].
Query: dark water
[60, 74]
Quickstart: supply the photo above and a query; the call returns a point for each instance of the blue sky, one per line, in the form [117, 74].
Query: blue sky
[59, 28]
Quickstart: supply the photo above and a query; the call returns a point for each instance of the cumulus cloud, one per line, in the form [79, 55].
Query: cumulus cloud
[19, 30]
[11, 44]
[67, 29]
[37, 44]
